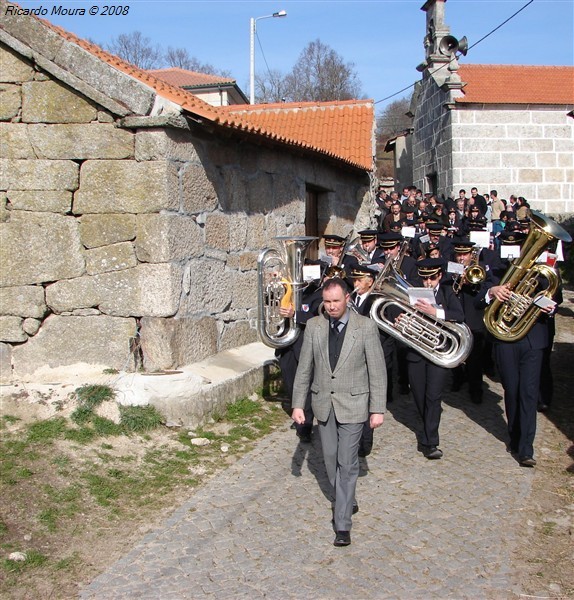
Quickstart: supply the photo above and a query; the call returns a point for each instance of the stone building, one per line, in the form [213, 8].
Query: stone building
[133, 212]
[504, 127]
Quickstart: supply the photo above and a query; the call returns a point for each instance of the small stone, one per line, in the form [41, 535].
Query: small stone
[224, 448]
[17, 556]
[27, 537]
[200, 442]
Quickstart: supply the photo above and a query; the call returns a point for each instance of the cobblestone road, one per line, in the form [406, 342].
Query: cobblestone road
[426, 529]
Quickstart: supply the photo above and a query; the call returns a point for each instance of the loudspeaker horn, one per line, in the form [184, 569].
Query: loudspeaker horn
[450, 45]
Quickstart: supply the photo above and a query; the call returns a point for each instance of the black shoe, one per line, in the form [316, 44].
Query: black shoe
[343, 538]
[542, 407]
[527, 461]
[432, 453]
[355, 509]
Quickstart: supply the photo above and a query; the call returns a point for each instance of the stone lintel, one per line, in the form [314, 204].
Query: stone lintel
[171, 121]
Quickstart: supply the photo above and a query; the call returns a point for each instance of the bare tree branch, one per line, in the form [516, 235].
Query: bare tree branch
[137, 50]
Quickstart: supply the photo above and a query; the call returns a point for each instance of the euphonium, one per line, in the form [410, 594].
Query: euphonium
[472, 274]
[279, 284]
[444, 343]
[510, 321]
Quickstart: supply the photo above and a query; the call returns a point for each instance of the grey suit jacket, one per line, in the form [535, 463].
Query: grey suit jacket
[357, 386]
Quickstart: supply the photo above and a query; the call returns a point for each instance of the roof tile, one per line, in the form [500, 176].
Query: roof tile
[322, 127]
[517, 84]
[184, 78]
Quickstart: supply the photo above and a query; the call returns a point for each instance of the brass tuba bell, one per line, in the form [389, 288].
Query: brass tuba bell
[279, 284]
[444, 343]
[511, 320]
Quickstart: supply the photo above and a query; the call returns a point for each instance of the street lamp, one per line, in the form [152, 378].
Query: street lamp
[252, 30]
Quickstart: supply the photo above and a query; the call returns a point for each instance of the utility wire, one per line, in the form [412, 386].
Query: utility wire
[456, 57]
[263, 54]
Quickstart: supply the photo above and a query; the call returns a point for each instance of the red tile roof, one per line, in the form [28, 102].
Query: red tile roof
[184, 78]
[344, 131]
[517, 84]
[344, 128]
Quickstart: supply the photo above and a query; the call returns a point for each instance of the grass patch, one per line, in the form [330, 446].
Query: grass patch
[43, 432]
[34, 559]
[139, 419]
[92, 396]
[242, 409]
[70, 562]
[6, 420]
[69, 479]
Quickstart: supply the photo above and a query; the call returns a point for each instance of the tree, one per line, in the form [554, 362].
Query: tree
[137, 49]
[320, 75]
[391, 121]
[179, 57]
[270, 88]
[394, 119]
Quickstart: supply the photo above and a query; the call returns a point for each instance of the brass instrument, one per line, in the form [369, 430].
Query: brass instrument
[444, 343]
[397, 261]
[473, 273]
[511, 320]
[279, 284]
[355, 248]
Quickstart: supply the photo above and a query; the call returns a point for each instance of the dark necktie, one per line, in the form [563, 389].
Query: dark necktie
[336, 325]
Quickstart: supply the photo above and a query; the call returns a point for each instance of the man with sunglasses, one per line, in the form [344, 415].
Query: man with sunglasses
[426, 379]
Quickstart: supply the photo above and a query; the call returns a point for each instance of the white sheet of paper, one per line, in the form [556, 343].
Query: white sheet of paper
[544, 302]
[480, 238]
[454, 267]
[420, 293]
[509, 251]
[424, 238]
[559, 251]
[311, 272]
[409, 232]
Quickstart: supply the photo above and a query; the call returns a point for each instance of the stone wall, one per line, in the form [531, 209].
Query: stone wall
[127, 246]
[432, 143]
[522, 151]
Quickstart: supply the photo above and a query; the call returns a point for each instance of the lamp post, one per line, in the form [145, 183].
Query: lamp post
[252, 30]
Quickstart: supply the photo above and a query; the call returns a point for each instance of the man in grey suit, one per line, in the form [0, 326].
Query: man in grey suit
[343, 364]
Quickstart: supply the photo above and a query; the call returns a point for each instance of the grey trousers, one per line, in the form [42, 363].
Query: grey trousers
[340, 443]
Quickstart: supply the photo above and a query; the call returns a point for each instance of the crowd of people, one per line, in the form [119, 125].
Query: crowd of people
[333, 373]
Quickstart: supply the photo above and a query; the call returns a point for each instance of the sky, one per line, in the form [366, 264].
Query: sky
[382, 38]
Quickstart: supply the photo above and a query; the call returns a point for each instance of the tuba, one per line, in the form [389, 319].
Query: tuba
[510, 321]
[279, 284]
[444, 343]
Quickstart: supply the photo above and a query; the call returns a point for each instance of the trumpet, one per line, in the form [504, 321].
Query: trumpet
[280, 283]
[511, 320]
[473, 274]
